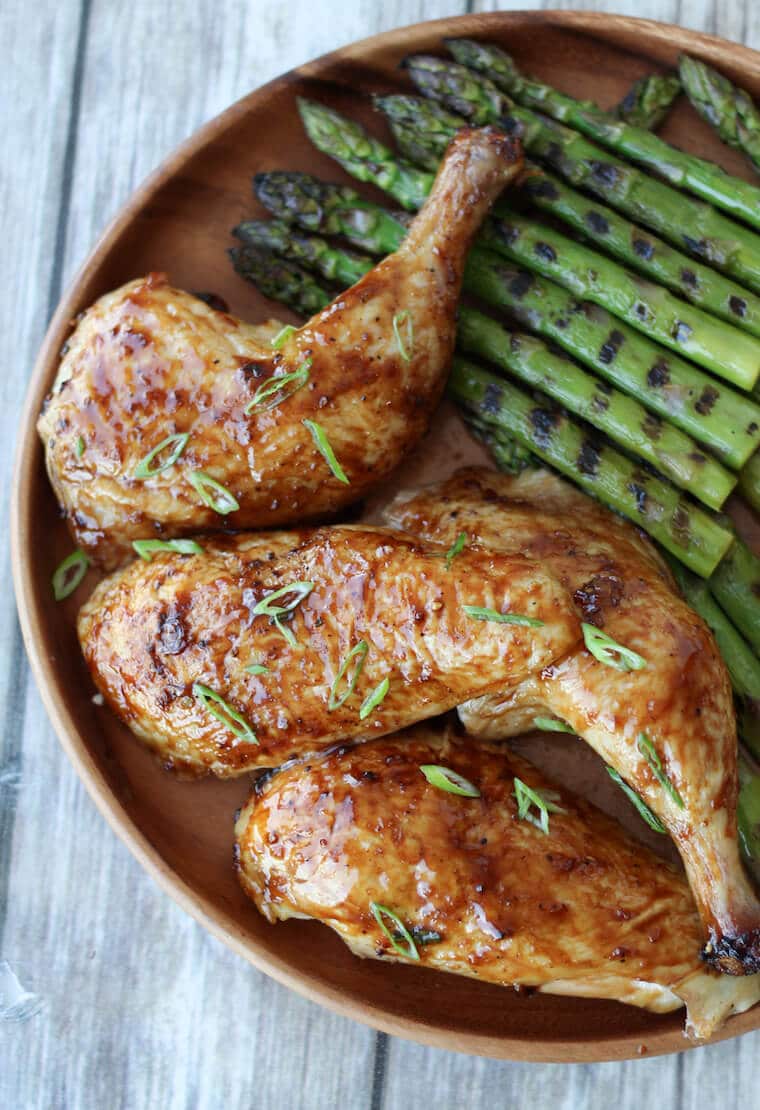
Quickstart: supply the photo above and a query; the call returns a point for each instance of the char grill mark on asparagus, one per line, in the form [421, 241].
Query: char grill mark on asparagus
[684, 220]
[727, 108]
[687, 171]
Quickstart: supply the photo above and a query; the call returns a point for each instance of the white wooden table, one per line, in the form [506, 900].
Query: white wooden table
[136, 1006]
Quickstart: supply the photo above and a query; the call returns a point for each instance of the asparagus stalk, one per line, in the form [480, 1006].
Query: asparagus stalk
[726, 422]
[725, 107]
[683, 220]
[682, 528]
[279, 280]
[736, 585]
[341, 266]
[422, 130]
[687, 171]
[748, 813]
[648, 101]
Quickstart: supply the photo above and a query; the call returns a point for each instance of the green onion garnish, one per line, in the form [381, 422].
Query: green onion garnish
[283, 335]
[322, 444]
[69, 574]
[644, 810]
[527, 797]
[145, 548]
[478, 613]
[410, 949]
[456, 548]
[604, 648]
[256, 668]
[274, 391]
[79, 447]
[213, 493]
[446, 779]
[647, 749]
[405, 348]
[358, 652]
[265, 608]
[223, 712]
[371, 702]
[552, 724]
[179, 441]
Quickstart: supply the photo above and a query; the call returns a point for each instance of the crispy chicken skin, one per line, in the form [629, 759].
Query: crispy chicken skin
[149, 361]
[153, 630]
[681, 700]
[582, 910]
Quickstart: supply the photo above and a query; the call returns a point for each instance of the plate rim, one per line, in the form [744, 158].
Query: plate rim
[211, 916]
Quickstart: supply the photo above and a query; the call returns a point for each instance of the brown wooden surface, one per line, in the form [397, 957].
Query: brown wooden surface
[185, 829]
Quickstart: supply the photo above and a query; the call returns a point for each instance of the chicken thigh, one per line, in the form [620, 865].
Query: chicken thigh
[403, 870]
[268, 646]
[165, 417]
[669, 727]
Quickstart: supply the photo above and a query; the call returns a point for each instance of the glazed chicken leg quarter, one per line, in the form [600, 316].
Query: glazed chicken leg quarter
[149, 362]
[668, 727]
[303, 639]
[579, 909]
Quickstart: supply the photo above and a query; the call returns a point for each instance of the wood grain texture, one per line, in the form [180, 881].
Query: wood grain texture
[142, 1008]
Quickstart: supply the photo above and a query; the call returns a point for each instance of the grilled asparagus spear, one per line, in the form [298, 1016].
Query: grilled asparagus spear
[725, 107]
[648, 101]
[422, 130]
[721, 419]
[736, 585]
[689, 223]
[687, 171]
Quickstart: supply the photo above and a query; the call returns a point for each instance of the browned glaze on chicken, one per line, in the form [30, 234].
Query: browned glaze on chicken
[149, 361]
[681, 701]
[582, 910]
[153, 630]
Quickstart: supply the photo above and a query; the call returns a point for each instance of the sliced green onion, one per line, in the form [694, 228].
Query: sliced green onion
[478, 613]
[409, 948]
[265, 608]
[322, 444]
[273, 392]
[405, 348]
[79, 447]
[224, 712]
[527, 797]
[647, 749]
[283, 335]
[145, 548]
[456, 548]
[446, 779]
[358, 652]
[213, 493]
[552, 724]
[143, 468]
[371, 702]
[604, 648]
[256, 668]
[69, 574]
[644, 810]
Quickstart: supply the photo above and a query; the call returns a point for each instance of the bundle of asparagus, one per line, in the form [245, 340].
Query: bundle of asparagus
[635, 423]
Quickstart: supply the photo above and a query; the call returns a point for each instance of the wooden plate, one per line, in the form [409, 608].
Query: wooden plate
[181, 832]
